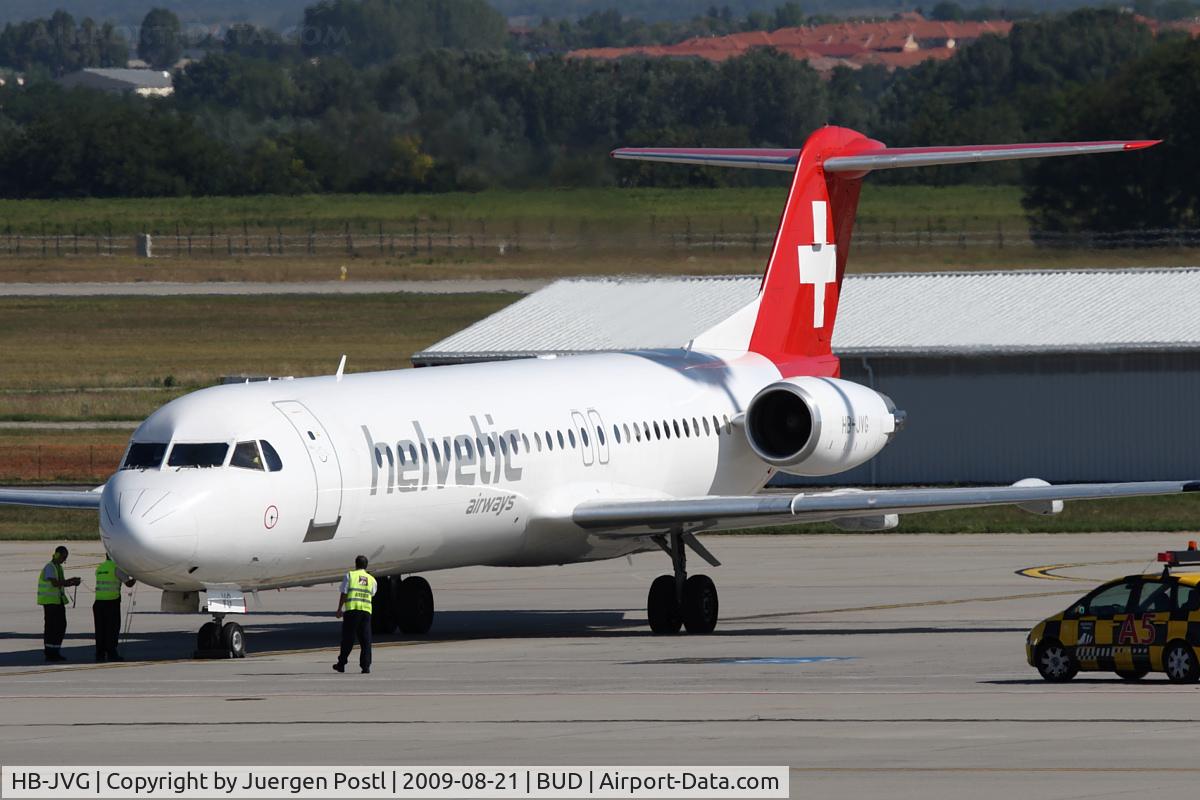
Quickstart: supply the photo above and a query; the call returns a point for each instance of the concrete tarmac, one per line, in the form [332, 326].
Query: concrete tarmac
[880, 665]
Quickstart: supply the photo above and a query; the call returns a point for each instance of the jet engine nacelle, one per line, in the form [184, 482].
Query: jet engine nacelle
[819, 426]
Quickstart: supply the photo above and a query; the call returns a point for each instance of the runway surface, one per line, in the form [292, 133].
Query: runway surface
[870, 665]
[168, 289]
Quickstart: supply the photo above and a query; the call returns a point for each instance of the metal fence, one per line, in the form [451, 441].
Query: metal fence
[429, 238]
[52, 462]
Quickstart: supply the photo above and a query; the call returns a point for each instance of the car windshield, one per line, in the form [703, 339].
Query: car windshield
[1155, 597]
[198, 455]
[1110, 600]
[145, 455]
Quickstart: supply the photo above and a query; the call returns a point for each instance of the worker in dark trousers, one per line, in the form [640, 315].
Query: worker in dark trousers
[358, 589]
[52, 597]
[106, 609]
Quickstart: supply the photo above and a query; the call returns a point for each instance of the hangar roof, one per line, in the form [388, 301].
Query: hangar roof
[926, 313]
[120, 79]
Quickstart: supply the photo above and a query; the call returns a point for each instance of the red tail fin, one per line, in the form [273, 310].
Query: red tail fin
[798, 303]
[799, 299]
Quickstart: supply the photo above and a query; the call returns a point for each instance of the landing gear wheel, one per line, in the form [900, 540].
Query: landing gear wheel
[700, 604]
[415, 605]
[209, 637]
[661, 606]
[1132, 674]
[1055, 663]
[1179, 662]
[383, 608]
[233, 639]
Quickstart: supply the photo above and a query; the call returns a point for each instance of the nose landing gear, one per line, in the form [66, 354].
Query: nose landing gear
[217, 640]
[679, 601]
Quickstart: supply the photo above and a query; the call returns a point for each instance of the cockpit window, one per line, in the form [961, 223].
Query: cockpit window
[198, 455]
[245, 455]
[145, 455]
[274, 463]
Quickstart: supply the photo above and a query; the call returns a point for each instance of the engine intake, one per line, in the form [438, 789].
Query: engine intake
[819, 426]
[781, 425]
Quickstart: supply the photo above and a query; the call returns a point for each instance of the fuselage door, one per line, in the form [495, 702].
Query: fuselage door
[585, 441]
[597, 425]
[327, 471]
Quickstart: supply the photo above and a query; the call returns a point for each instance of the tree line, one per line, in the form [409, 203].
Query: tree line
[458, 109]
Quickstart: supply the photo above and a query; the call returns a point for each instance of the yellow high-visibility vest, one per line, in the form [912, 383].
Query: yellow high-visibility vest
[107, 585]
[360, 588]
[48, 593]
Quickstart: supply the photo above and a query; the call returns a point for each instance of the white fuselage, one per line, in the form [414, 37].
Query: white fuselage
[490, 483]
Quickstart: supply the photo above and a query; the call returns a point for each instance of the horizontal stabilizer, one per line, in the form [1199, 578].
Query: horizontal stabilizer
[784, 160]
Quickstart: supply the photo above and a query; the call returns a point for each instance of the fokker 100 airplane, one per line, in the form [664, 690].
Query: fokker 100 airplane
[234, 489]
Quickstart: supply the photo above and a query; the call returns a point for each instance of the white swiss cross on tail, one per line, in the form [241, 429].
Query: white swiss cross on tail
[818, 261]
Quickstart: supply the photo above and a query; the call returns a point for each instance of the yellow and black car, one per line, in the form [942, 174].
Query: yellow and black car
[1130, 626]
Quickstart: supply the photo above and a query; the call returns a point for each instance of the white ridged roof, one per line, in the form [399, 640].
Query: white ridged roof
[897, 313]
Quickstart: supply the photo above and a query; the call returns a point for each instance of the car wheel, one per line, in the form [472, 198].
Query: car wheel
[1132, 674]
[1179, 662]
[1055, 662]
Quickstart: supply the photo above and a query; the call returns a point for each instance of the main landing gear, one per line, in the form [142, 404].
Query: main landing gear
[677, 600]
[220, 639]
[405, 604]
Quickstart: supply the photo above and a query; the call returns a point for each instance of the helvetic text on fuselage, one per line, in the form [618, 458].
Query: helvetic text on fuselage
[406, 472]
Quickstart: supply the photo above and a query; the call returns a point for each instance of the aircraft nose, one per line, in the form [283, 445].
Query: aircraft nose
[147, 530]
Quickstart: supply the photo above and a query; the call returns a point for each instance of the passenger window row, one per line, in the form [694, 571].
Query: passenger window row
[467, 448]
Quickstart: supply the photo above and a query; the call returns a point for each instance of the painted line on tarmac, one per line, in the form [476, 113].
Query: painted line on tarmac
[896, 606]
[1036, 689]
[655, 720]
[1046, 573]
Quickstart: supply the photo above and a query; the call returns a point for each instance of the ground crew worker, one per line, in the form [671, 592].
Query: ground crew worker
[106, 609]
[358, 587]
[53, 600]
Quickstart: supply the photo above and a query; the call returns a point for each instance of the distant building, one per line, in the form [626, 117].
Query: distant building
[901, 42]
[898, 43]
[1079, 375]
[145, 82]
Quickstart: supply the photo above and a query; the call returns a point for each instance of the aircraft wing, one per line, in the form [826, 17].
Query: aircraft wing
[52, 498]
[637, 517]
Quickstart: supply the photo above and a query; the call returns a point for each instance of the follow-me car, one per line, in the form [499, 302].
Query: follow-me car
[1131, 626]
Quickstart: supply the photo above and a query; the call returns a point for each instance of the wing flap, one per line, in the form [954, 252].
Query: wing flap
[52, 498]
[636, 517]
